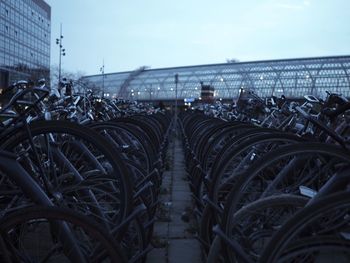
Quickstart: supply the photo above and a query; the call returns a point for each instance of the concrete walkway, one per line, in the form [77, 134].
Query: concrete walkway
[174, 237]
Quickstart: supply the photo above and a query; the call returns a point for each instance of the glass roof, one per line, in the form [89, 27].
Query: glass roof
[291, 77]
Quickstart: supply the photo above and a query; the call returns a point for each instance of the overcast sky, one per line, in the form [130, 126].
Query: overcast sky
[128, 34]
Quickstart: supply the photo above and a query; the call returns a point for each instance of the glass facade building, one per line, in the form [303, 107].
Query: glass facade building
[292, 77]
[25, 35]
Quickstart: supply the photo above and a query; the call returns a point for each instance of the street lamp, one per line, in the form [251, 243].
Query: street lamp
[150, 92]
[62, 52]
[176, 83]
[102, 70]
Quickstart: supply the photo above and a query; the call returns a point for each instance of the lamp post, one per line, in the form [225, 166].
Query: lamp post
[62, 52]
[102, 70]
[150, 93]
[176, 82]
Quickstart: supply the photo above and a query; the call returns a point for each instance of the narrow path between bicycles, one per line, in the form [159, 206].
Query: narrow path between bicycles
[174, 231]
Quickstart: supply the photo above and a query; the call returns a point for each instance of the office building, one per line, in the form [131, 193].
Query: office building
[25, 35]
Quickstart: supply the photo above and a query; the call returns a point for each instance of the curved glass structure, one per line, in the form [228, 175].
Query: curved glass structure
[291, 77]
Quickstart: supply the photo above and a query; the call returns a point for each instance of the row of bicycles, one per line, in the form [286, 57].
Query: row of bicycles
[273, 184]
[79, 176]
[85, 106]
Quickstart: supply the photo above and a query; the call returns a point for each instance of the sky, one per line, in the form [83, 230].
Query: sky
[127, 34]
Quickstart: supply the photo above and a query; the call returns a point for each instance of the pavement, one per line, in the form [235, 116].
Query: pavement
[175, 239]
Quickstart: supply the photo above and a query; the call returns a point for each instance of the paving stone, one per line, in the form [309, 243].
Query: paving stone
[179, 180]
[184, 250]
[161, 229]
[182, 196]
[178, 230]
[157, 255]
[181, 187]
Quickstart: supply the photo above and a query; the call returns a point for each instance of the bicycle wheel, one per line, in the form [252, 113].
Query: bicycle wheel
[283, 171]
[311, 222]
[220, 140]
[253, 225]
[67, 160]
[317, 249]
[129, 141]
[233, 161]
[35, 235]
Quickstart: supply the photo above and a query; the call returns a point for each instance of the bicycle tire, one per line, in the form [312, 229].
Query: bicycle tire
[297, 223]
[30, 214]
[64, 127]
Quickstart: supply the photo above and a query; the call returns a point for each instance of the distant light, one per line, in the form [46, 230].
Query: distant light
[220, 99]
[151, 92]
[195, 88]
[222, 80]
[171, 89]
[200, 98]
[138, 93]
[307, 76]
[261, 77]
[132, 94]
[145, 89]
[132, 90]
[158, 88]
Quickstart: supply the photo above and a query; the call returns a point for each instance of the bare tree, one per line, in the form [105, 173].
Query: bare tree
[69, 75]
[232, 60]
[33, 74]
